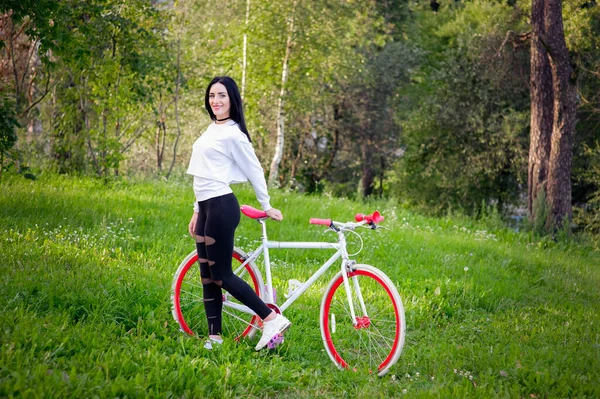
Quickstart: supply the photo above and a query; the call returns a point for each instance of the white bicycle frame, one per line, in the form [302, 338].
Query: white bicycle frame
[341, 251]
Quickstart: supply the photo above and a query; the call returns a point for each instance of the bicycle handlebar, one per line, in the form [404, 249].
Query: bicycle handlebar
[360, 218]
[371, 219]
[324, 222]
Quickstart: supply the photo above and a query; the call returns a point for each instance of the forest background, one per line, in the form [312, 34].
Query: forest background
[426, 102]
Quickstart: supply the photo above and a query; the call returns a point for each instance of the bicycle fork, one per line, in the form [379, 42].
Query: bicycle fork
[362, 321]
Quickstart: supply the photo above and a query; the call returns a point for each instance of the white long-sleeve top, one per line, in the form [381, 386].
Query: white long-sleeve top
[221, 156]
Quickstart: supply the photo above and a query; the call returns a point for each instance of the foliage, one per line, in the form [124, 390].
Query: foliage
[8, 124]
[101, 54]
[111, 80]
[369, 133]
[332, 44]
[587, 216]
[465, 113]
[85, 310]
[584, 38]
[427, 105]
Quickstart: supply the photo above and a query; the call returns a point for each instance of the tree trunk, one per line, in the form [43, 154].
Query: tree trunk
[161, 134]
[381, 175]
[274, 170]
[367, 180]
[244, 52]
[553, 97]
[542, 111]
[563, 132]
[176, 101]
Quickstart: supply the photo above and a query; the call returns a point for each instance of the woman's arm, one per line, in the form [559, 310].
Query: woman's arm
[243, 154]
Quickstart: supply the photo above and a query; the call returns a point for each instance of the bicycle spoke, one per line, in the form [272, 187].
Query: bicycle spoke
[235, 316]
[196, 296]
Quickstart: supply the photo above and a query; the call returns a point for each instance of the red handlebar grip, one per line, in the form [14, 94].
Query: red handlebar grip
[324, 222]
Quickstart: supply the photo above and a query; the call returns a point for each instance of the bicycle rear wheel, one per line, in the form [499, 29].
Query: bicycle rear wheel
[188, 305]
[373, 341]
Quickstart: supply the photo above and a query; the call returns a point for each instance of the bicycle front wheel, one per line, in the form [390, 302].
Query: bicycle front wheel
[373, 340]
[188, 304]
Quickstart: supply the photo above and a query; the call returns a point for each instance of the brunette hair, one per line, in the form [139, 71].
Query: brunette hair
[235, 100]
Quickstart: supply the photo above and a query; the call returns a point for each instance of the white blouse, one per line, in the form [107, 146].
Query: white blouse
[223, 155]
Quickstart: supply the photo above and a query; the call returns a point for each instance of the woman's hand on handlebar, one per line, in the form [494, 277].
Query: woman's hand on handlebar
[275, 214]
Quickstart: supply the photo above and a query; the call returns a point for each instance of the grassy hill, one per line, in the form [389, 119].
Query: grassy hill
[85, 307]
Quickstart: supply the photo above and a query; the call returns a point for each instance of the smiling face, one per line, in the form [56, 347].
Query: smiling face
[218, 99]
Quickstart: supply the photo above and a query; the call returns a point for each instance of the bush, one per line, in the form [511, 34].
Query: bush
[8, 125]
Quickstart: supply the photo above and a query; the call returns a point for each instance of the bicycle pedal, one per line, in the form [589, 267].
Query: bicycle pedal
[275, 341]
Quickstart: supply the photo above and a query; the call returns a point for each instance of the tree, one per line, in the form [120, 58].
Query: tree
[542, 114]
[553, 86]
[279, 144]
[299, 67]
[25, 31]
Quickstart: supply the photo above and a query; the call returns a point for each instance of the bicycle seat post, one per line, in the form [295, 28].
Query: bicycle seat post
[263, 224]
[269, 287]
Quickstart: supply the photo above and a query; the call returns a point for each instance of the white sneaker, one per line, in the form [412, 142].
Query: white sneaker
[208, 344]
[272, 328]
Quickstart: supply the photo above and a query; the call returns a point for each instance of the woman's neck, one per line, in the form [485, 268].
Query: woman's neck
[217, 120]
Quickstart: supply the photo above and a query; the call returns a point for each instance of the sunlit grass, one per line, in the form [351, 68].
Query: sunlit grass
[86, 275]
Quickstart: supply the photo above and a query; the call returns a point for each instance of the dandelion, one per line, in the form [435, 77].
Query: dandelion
[466, 269]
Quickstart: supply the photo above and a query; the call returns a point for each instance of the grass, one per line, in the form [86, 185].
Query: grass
[85, 307]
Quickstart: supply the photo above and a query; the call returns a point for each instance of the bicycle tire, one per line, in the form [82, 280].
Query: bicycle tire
[374, 344]
[188, 305]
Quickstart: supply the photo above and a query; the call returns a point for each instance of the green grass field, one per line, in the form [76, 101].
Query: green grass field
[85, 306]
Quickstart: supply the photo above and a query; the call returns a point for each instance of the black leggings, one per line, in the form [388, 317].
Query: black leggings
[217, 220]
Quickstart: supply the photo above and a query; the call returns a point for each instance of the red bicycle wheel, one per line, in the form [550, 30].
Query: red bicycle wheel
[373, 341]
[188, 305]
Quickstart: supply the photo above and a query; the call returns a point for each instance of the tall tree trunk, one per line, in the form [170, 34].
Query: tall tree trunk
[563, 132]
[244, 52]
[176, 101]
[553, 97]
[34, 126]
[542, 111]
[161, 132]
[381, 174]
[367, 180]
[274, 170]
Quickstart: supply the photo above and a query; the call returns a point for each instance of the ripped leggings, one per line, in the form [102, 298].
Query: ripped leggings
[217, 220]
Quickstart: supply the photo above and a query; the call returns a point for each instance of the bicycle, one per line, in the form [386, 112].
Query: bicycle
[362, 316]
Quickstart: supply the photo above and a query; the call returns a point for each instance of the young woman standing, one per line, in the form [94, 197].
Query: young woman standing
[223, 155]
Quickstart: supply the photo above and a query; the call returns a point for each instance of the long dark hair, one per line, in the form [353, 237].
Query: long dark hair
[235, 100]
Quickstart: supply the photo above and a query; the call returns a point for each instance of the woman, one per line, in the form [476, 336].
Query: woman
[221, 156]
